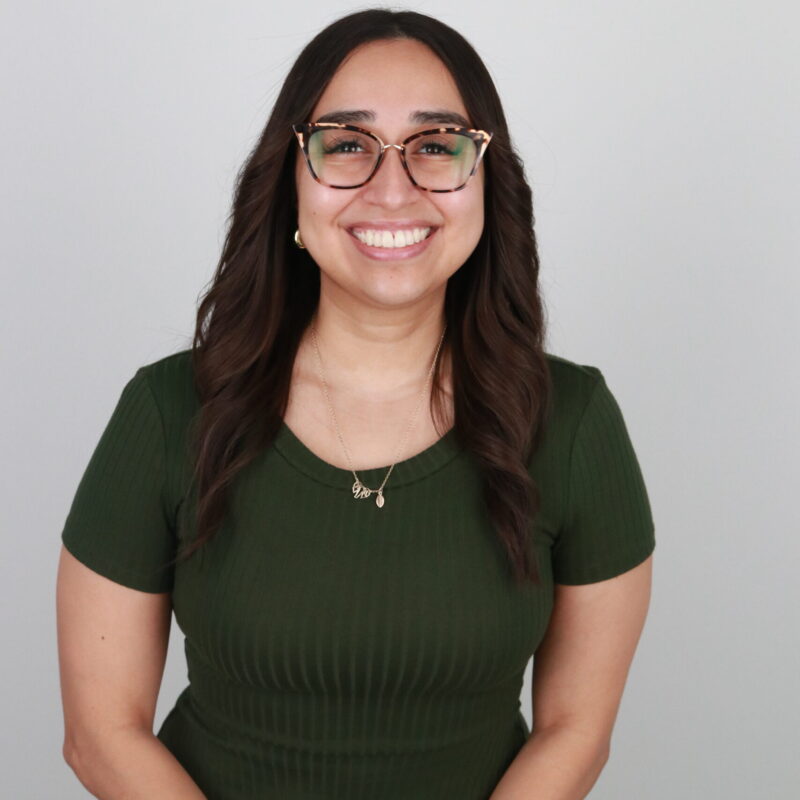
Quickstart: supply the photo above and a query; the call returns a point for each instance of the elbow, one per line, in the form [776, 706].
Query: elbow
[86, 763]
[71, 755]
[602, 751]
[68, 752]
[597, 747]
[79, 760]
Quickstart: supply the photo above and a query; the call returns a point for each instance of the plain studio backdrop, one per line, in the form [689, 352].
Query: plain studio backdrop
[661, 141]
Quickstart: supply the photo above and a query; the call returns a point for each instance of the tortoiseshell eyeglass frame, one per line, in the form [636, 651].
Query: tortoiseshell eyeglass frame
[303, 132]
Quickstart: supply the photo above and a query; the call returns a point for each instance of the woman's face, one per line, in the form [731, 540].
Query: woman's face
[391, 80]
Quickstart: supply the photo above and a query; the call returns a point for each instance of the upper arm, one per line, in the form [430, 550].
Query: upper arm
[602, 572]
[115, 574]
[112, 645]
[582, 663]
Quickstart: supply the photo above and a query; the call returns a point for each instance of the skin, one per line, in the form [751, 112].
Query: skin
[379, 322]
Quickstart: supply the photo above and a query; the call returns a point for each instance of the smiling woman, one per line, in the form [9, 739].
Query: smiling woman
[374, 331]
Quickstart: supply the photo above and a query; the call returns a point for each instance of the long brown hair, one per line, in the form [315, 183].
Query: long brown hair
[265, 291]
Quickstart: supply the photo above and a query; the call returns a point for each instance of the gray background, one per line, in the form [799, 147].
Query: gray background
[661, 140]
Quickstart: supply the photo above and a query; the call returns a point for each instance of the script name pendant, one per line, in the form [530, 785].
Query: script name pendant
[360, 491]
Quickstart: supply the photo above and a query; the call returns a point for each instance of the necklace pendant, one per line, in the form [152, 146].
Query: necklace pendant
[379, 499]
[360, 491]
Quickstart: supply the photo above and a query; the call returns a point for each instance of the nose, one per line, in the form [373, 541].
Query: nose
[391, 186]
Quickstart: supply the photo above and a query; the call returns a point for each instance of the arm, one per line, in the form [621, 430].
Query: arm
[131, 764]
[580, 670]
[112, 647]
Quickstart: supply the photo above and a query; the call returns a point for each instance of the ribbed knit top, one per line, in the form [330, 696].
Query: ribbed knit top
[340, 650]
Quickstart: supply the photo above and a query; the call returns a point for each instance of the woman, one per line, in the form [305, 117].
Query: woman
[366, 491]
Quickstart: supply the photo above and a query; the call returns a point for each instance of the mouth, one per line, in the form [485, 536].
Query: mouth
[389, 245]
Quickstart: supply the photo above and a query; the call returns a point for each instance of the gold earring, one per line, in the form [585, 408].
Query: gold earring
[297, 240]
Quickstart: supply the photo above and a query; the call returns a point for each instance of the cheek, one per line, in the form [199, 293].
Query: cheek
[467, 222]
[319, 208]
[309, 204]
[467, 214]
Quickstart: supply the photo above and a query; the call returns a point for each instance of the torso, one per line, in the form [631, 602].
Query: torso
[372, 430]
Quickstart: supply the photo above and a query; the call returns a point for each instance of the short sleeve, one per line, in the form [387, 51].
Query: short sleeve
[119, 524]
[607, 524]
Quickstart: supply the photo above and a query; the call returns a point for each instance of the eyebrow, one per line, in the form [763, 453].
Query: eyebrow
[433, 117]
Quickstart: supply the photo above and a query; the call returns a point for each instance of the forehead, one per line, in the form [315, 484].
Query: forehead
[394, 79]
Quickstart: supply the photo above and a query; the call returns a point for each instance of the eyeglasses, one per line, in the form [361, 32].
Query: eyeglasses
[346, 156]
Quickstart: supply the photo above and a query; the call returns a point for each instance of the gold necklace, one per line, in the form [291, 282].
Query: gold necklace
[359, 490]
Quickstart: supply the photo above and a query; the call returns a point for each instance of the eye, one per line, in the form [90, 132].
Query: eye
[435, 148]
[440, 145]
[343, 146]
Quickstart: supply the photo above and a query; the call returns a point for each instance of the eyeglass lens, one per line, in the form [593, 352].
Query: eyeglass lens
[436, 161]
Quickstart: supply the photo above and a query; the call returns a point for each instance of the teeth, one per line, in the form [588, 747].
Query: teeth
[386, 239]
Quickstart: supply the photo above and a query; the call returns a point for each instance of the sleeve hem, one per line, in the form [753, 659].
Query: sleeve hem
[605, 570]
[113, 572]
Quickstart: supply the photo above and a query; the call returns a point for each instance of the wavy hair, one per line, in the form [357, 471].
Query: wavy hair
[265, 291]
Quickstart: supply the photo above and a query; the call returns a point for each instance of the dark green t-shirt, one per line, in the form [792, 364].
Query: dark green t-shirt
[340, 650]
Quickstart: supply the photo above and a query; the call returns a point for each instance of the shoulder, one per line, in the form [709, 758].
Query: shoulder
[169, 366]
[171, 381]
[573, 386]
[170, 374]
[586, 412]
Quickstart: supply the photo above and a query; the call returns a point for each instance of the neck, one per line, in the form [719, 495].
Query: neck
[375, 355]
